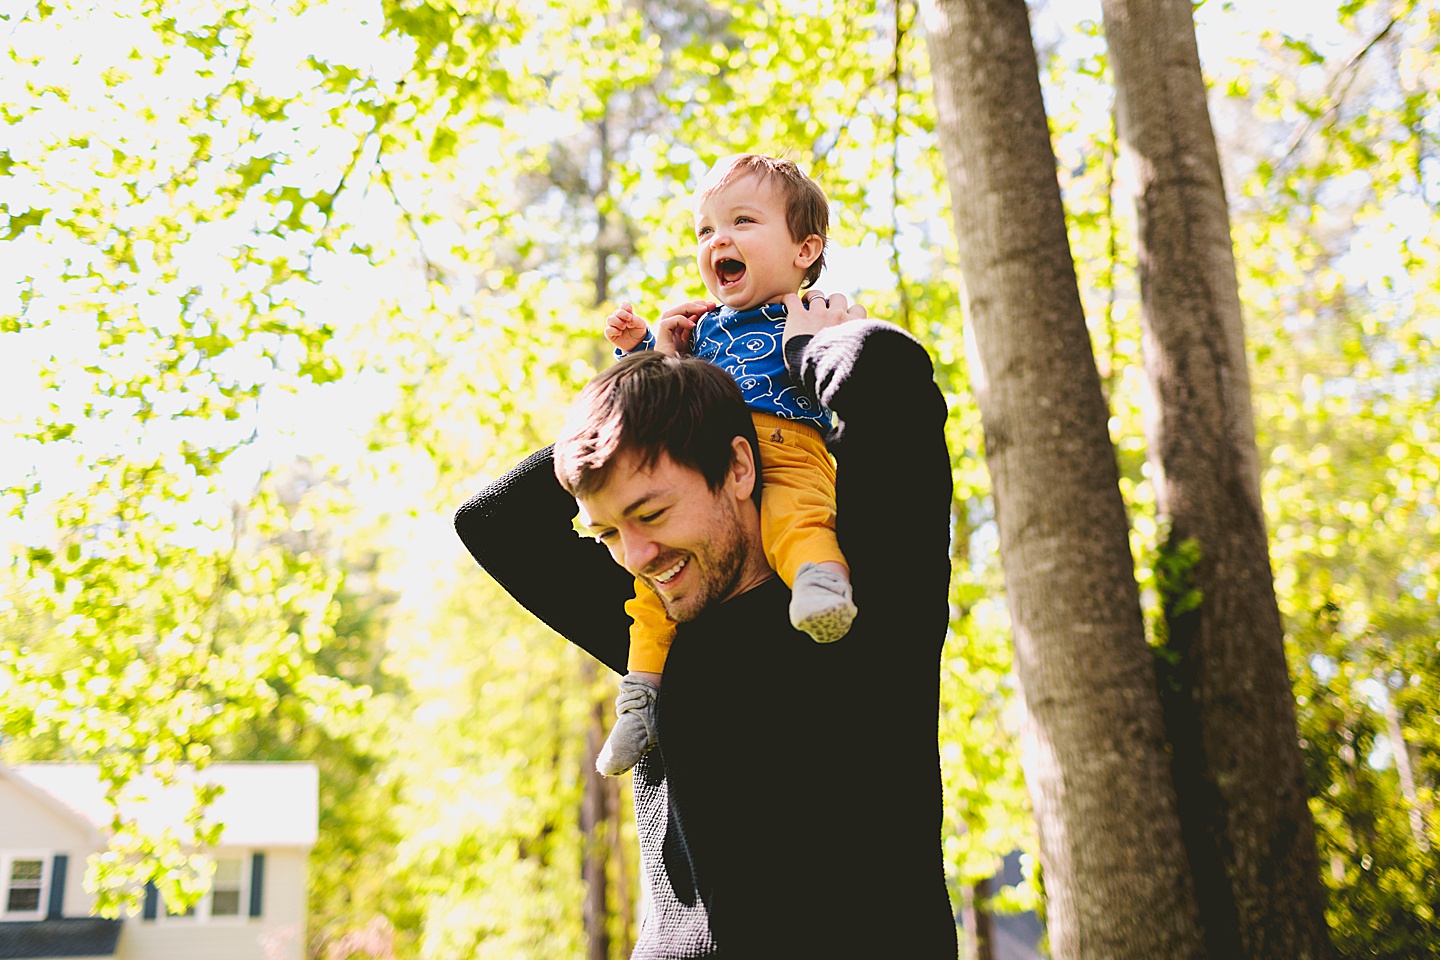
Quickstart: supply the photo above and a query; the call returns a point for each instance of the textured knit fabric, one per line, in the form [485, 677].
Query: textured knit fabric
[747, 345]
[797, 526]
[758, 835]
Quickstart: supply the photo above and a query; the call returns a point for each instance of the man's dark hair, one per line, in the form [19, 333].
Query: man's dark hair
[807, 211]
[649, 404]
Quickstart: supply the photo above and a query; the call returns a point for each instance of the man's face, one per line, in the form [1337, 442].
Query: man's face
[744, 250]
[669, 529]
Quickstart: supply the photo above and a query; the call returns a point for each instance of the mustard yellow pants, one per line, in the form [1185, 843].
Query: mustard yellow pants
[797, 525]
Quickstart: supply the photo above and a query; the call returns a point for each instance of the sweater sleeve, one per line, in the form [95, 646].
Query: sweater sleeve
[520, 529]
[893, 480]
[648, 343]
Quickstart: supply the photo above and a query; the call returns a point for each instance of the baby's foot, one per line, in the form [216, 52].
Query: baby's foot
[634, 730]
[820, 603]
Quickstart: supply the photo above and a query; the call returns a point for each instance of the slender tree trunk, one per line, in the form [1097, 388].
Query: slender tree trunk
[1231, 717]
[1418, 810]
[599, 803]
[979, 922]
[624, 882]
[1116, 870]
[594, 837]
[602, 220]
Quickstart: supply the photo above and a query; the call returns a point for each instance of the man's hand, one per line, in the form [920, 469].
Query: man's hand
[816, 312]
[624, 329]
[672, 333]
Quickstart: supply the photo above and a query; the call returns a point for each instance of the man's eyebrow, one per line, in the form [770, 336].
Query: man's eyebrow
[643, 499]
[633, 507]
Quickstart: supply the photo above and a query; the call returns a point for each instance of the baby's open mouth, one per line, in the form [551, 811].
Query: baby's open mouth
[729, 271]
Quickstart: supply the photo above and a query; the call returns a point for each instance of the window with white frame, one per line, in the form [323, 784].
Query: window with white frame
[226, 899]
[228, 890]
[26, 877]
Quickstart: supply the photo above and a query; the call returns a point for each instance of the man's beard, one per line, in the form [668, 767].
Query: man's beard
[723, 564]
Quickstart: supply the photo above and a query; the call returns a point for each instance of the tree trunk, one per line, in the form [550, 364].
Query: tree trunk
[594, 836]
[599, 801]
[979, 922]
[1418, 810]
[624, 883]
[1116, 871]
[1231, 713]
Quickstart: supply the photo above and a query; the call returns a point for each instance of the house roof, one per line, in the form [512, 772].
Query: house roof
[262, 804]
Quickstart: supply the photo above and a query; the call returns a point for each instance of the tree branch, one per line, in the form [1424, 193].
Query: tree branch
[897, 77]
[1348, 73]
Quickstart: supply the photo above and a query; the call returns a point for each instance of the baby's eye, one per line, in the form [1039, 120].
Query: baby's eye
[703, 231]
[744, 219]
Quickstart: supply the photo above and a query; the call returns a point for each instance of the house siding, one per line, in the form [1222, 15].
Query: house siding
[59, 811]
[28, 824]
[78, 902]
[279, 934]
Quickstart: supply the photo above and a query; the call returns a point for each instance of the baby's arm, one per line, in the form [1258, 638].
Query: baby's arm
[624, 329]
[673, 336]
[628, 332]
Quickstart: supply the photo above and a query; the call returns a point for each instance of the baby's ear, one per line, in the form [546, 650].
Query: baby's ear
[810, 249]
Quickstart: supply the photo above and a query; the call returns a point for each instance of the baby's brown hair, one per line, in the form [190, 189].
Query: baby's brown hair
[807, 211]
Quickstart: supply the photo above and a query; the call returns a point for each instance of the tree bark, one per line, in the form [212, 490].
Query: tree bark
[624, 882]
[594, 835]
[600, 800]
[978, 921]
[1116, 871]
[1419, 812]
[1230, 712]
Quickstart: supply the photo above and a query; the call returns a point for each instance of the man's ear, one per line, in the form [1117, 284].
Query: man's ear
[741, 474]
[810, 249]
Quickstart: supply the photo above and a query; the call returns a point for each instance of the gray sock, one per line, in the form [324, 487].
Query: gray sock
[820, 603]
[634, 730]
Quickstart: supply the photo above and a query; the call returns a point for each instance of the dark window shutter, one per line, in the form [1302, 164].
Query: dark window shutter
[257, 884]
[57, 886]
[152, 902]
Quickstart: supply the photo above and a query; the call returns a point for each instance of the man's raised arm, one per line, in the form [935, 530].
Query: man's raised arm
[893, 482]
[520, 530]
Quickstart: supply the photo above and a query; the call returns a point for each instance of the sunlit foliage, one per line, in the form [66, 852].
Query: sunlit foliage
[406, 219]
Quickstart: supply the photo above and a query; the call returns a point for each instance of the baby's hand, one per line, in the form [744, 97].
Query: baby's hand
[624, 329]
[672, 335]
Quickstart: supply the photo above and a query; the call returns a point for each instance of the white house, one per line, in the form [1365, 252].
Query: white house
[54, 815]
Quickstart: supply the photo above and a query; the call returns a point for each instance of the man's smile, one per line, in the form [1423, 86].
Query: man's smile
[665, 576]
[681, 538]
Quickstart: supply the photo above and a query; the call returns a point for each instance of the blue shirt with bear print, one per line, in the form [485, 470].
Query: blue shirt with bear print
[748, 345]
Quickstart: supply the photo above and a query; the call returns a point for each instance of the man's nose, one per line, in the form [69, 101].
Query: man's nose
[638, 550]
